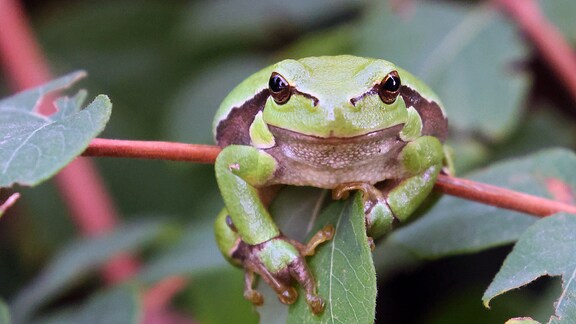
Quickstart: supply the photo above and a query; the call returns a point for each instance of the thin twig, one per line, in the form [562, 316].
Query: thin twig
[545, 37]
[468, 189]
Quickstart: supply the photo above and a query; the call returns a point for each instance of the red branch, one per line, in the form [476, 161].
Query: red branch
[468, 189]
[545, 37]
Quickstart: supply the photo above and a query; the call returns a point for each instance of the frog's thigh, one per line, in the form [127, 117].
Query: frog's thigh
[239, 170]
[422, 157]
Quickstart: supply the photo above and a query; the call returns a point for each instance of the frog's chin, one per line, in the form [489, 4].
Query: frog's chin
[286, 135]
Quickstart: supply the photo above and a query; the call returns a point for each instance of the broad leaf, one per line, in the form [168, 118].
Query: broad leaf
[467, 54]
[546, 248]
[34, 147]
[78, 259]
[343, 268]
[457, 226]
[4, 313]
[117, 306]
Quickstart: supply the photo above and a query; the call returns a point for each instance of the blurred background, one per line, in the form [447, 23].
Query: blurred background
[167, 65]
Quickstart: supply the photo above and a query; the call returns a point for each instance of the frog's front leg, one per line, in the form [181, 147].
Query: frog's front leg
[399, 198]
[248, 236]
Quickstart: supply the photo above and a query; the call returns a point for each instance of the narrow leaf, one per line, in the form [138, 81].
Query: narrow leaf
[546, 248]
[78, 259]
[4, 313]
[117, 306]
[34, 147]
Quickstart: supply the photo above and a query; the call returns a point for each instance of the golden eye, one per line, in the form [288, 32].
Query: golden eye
[389, 88]
[280, 90]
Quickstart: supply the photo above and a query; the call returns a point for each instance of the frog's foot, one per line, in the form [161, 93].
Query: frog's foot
[379, 217]
[309, 249]
[280, 262]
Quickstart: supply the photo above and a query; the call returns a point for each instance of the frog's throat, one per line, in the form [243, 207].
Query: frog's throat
[328, 162]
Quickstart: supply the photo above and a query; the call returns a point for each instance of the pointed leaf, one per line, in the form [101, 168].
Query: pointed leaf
[547, 248]
[34, 147]
[343, 268]
[28, 100]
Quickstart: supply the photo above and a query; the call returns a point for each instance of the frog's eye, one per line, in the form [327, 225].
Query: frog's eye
[389, 88]
[279, 88]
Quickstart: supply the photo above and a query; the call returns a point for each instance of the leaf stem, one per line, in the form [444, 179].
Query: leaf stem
[463, 188]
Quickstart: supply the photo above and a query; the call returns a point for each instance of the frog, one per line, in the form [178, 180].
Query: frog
[343, 123]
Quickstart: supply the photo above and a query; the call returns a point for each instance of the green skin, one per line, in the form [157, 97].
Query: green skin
[333, 132]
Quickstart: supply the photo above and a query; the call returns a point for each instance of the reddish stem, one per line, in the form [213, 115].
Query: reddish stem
[153, 150]
[468, 189]
[546, 38]
[83, 190]
[501, 197]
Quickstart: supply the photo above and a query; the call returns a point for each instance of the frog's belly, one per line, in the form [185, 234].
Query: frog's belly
[326, 163]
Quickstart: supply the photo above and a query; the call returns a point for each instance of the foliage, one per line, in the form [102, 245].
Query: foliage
[167, 66]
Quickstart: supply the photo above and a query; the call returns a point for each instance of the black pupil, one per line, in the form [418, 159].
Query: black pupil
[277, 83]
[392, 84]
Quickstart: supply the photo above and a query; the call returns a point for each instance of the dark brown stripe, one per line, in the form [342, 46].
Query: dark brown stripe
[433, 121]
[235, 129]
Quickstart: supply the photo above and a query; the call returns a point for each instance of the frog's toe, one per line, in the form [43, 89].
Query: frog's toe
[315, 303]
[288, 295]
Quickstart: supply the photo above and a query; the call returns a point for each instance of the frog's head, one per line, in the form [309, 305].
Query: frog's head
[340, 96]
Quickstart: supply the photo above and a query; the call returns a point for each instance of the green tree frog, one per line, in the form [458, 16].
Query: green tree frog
[336, 122]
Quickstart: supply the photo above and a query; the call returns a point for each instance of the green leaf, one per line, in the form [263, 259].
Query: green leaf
[120, 305]
[4, 313]
[78, 259]
[465, 53]
[343, 268]
[224, 286]
[561, 14]
[116, 306]
[455, 225]
[35, 147]
[194, 254]
[546, 248]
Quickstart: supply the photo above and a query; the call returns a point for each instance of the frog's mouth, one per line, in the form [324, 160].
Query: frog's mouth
[287, 137]
[304, 153]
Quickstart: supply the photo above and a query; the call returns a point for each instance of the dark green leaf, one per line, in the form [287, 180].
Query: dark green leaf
[116, 306]
[343, 268]
[456, 226]
[79, 258]
[195, 253]
[466, 54]
[34, 147]
[4, 313]
[546, 248]
[211, 290]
